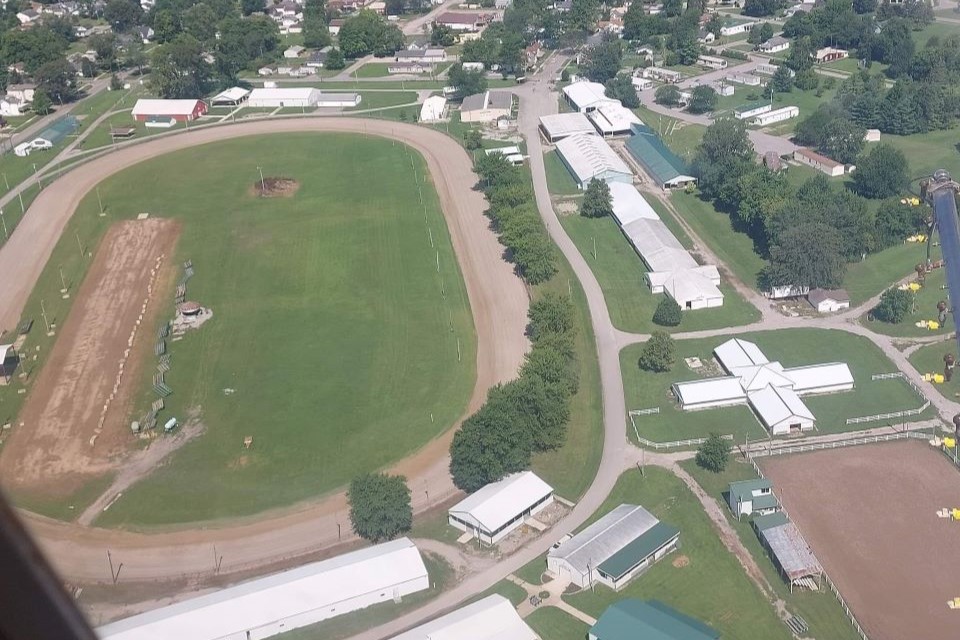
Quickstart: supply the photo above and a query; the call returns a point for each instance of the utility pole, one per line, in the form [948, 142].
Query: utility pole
[6, 236]
[263, 188]
[100, 202]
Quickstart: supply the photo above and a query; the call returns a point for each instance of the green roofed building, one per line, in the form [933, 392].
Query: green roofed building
[613, 550]
[748, 497]
[650, 620]
[660, 163]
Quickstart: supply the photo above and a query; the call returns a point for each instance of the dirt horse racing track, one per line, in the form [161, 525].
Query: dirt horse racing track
[869, 513]
[498, 302]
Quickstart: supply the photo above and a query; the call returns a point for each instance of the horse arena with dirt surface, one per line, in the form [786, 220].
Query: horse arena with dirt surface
[870, 515]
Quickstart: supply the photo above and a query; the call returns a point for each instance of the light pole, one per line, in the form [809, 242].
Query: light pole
[36, 175]
[63, 283]
[100, 201]
[263, 188]
[6, 236]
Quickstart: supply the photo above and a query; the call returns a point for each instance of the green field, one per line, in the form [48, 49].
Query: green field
[735, 249]
[301, 288]
[442, 576]
[820, 610]
[560, 182]
[381, 99]
[681, 137]
[928, 152]
[929, 359]
[551, 623]
[621, 274]
[925, 305]
[792, 347]
[712, 588]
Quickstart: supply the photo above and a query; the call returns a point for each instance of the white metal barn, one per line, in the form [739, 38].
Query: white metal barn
[268, 606]
[613, 119]
[586, 96]
[588, 157]
[283, 97]
[613, 550]
[492, 618]
[500, 507]
[232, 97]
[557, 126]
[434, 108]
[777, 115]
[340, 100]
[672, 269]
[771, 390]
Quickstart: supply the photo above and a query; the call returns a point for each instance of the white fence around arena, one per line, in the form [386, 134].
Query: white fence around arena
[673, 444]
[903, 435]
[894, 414]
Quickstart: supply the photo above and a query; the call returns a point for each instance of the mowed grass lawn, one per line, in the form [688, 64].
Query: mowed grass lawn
[329, 323]
[925, 304]
[820, 610]
[551, 623]
[621, 274]
[929, 359]
[712, 588]
[559, 180]
[791, 347]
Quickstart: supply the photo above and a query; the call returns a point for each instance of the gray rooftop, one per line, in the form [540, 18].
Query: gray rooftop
[605, 537]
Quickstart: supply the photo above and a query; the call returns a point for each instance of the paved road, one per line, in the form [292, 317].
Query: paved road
[498, 302]
[762, 141]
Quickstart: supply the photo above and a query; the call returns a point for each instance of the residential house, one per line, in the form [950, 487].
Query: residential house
[828, 300]
[748, 497]
[775, 44]
[829, 54]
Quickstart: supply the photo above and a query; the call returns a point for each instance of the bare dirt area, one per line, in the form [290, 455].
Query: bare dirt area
[73, 425]
[870, 515]
[274, 188]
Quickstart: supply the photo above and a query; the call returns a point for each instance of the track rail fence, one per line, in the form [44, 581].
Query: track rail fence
[894, 414]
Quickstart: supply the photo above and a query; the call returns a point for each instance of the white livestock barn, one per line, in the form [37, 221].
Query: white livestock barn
[269, 606]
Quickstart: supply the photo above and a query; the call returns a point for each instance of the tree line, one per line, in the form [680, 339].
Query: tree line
[529, 414]
[810, 233]
[515, 217]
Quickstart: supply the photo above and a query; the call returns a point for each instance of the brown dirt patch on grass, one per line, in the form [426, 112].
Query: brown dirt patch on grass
[275, 187]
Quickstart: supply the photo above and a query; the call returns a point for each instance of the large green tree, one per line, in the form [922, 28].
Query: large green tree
[178, 69]
[658, 353]
[894, 305]
[379, 506]
[703, 98]
[123, 15]
[723, 156]
[882, 173]
[807, 255]
[59, 80]
[367, 33]
[713, 454]
[668, 95]
[603, 61]
[597, 201]
[466, 82]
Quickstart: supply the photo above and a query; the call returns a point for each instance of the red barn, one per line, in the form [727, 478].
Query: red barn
[178, 110]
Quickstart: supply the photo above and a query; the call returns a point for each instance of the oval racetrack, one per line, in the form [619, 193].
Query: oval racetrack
[498, 302]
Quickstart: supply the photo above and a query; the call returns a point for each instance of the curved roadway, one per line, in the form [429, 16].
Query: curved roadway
[498, 302]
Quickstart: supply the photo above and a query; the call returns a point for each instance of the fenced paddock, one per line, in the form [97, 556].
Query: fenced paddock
[894, 415]
[869, 514]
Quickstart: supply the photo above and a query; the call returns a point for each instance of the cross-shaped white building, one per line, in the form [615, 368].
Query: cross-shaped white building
[772, 391]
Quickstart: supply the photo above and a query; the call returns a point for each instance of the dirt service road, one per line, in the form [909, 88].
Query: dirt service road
[498, 303]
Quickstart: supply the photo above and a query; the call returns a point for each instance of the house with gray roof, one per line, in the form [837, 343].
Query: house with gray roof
[748, 497]
[486, 107]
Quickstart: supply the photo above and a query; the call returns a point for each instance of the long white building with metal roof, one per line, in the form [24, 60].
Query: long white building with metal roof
[557, 126]
[268, 606]
[613, 119]
[585, 96]
[588, 157]
[492, 512]
[613, 550]
[672, 269]
[492, 618]
[771, 390]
